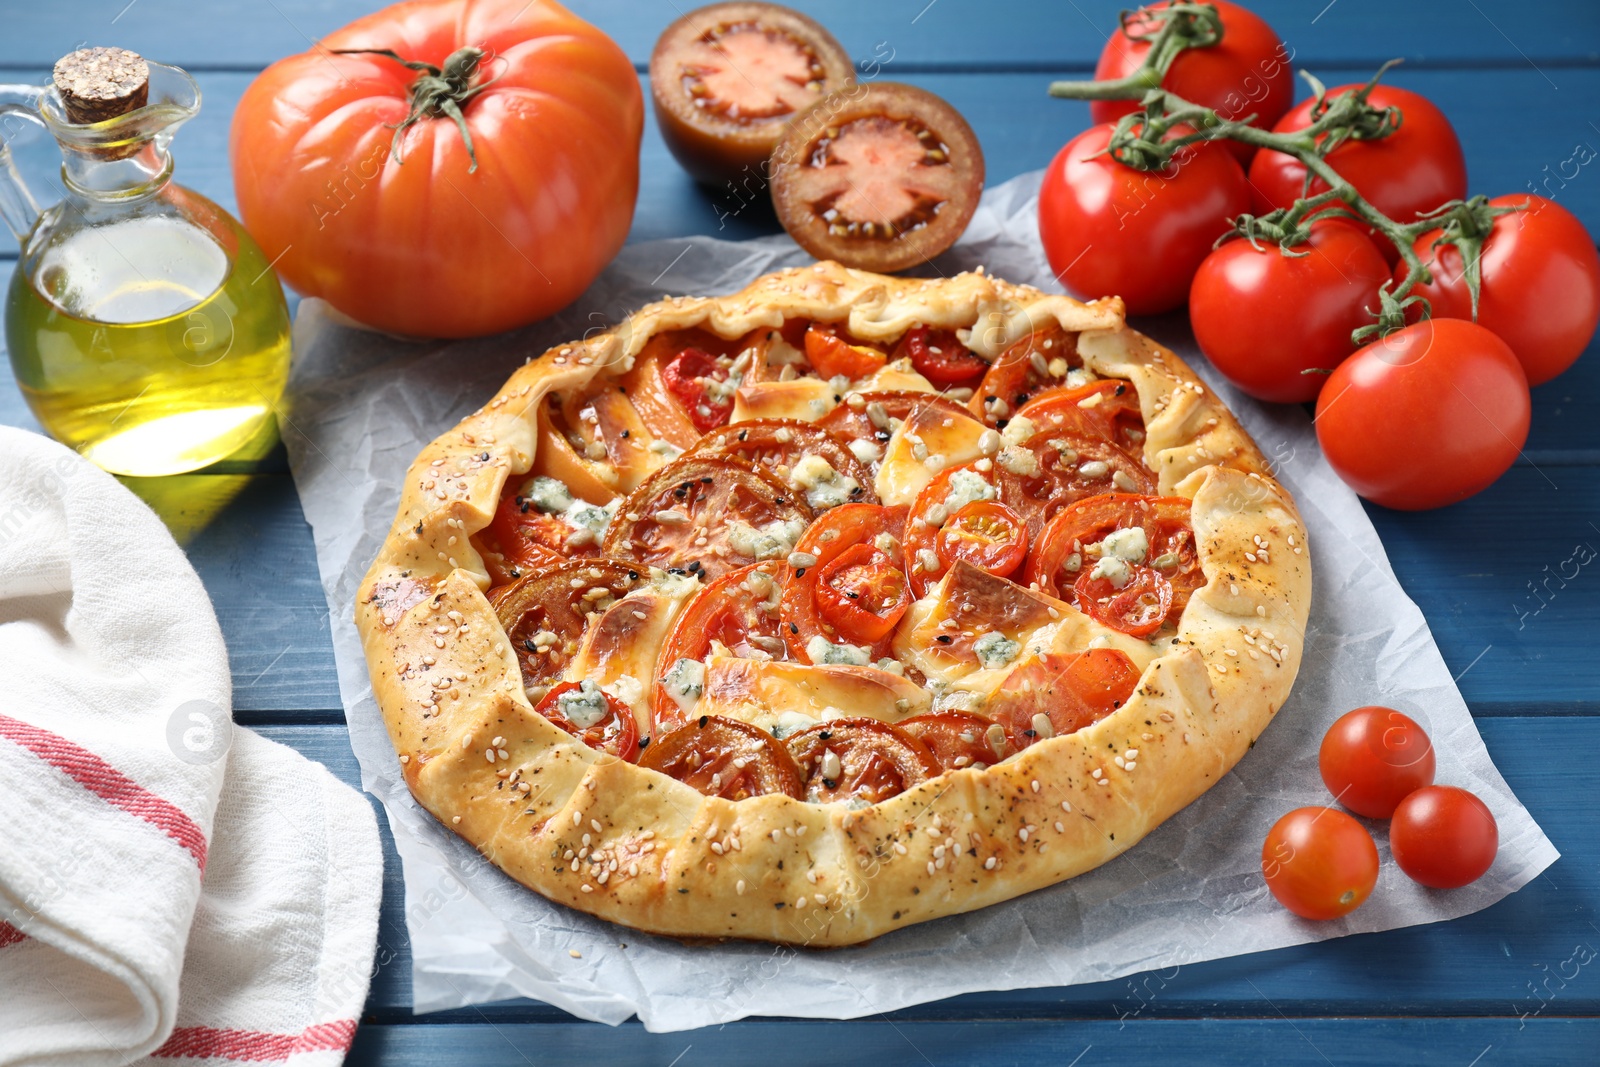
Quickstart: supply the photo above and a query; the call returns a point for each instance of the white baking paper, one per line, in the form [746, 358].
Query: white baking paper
[363, 404]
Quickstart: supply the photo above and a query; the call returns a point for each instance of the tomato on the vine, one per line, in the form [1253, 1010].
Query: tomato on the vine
[1270, 319]
[1319, 862]
[1372, 758]
[1425, 417]
[1110, 230]
[1246, 73]
[1538, 257]
[1406, 174]
[1443, 837]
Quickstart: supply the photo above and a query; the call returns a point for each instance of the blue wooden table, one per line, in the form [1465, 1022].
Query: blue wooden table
[1497, 576]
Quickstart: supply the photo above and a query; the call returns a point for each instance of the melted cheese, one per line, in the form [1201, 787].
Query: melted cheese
[619, 649]
[771, 694]
[924, 444]
[809, 399]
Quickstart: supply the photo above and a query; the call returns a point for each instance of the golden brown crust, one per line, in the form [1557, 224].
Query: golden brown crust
[630, 845]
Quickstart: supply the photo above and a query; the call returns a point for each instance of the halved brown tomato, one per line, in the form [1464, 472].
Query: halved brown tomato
[725, 758]
[880, 177]
[859, 759]
[940, 357]
[831, 355]
[1028, 365]
[1062, 557]
[614, 731]
[986, 534]
[871, 574]
[689, 377]
[1108, 408]
[738, 611]
[544, 614]
[1137, 607]
[680, 518]
[777, 445]
[872, 416]
[1061, 693]
[728, 78]
[1067, 467]
[928, 515]
[957, 739]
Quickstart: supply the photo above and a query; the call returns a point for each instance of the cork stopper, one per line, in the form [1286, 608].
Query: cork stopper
[101, 83]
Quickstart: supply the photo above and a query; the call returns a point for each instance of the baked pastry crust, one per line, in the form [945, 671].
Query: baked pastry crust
[532, 798]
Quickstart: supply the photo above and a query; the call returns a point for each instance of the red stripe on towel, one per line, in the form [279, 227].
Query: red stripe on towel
[254, 1046]
[107, 783]
[10, 935]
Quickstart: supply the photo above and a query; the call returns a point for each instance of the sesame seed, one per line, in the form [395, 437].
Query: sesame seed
[586, 887]
[1096, 773]
[577, 818]
[1035, 784]
[799, 902]
[930, 867]
[1132, 753]
[488, 755]
[455, 818]
[1066, 807]
[596, 824]
[989, 863]
[1060, 828]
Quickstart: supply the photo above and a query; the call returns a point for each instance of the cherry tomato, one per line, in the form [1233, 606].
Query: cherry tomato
[544, 613]
[1246, 73]
[1137, 607]
[1265, 318]
[957, 739]
[688, 377]
[725, 758]
[1373, 758]
[879, 176]
[940, 357]
[1061, 693]
[1425, 417]
[1319, 862]
[1540, 257]
[1038, 361]
[1110, 230]
[1062, 555]
[615, 731]
[862, 593]
[831, 355]
[859, 759]
[986, 534]
[1443, 837]
[1410, 172]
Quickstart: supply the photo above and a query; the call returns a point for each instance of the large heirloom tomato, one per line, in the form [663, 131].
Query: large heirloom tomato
[443, 239]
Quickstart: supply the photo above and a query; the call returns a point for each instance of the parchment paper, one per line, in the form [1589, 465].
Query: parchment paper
[363, 404]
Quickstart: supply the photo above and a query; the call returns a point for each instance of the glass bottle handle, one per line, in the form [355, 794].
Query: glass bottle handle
[17, 206]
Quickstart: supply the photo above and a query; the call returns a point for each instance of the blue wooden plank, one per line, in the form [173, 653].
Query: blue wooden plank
[926, 33]
[1493, 963]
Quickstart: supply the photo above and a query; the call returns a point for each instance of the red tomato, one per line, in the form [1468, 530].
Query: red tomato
[430, 246]
[1540, 257]
[740, 610]
[831, 355]
[873, 575]
[957, 739]
[859, 759]
[615, 731]
[1246, 73]
[1264, 318]
[1061, 693]
[688, 376]
[1110, 230]
[1415, 169]
[1066, 550]
[1425, 417]
[939, 357]
[1137, 607]
[1373, 758]
[725, 758]
[1443, 837]
[1319, 862]
[1115, 416]
[522, 538]
[987, 535]
[862, 593]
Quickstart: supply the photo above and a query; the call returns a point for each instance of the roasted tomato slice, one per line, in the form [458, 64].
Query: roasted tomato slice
[1028, 365]
[738, 611]
[986, 534]
[706, 515]
[1108, 408]
[1070, 546]
[781, 445]
[1061, 693]
[728, 78]
[809, 613]
[725, 758]
[1055, 468]
[831, 355]
[522, 537]
[940, 357]
[544, 614]
[880, 177]
[594, 717]
[1136, 601]
[873, 416]
[859, 759]
[691, 376]
[949, 491]
[957, 739]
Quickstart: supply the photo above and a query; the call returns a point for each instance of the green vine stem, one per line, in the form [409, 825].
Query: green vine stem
[1149, 139]
[438, 91]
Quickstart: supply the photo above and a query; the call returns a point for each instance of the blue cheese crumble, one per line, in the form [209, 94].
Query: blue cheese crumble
[685, 682]
[821, 650]
[994, 650]
[584, 706]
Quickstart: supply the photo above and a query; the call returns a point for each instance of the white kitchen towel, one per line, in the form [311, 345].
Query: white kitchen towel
[172, 889]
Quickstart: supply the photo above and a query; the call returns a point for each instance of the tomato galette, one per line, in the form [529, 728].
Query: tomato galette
[838, 604]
